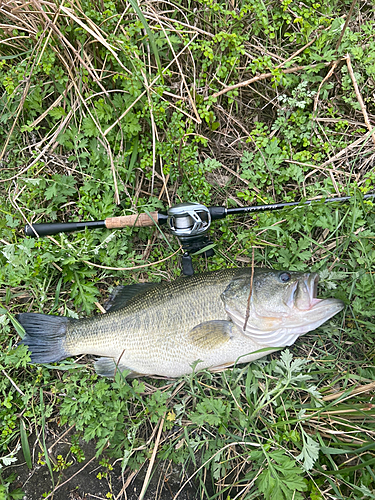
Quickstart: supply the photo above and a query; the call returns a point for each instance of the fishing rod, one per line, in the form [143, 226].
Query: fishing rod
[189, 222]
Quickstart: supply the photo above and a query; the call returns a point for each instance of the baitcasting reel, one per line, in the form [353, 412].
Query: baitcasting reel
[189, 222]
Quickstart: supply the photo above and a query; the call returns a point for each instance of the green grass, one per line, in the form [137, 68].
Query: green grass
[105, 111]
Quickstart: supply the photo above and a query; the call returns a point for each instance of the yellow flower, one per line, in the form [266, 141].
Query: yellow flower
[171, 416]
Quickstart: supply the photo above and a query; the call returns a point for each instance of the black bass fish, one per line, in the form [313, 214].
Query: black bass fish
[164, 328]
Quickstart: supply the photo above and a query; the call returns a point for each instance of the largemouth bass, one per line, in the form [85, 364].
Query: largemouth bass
[165, 328]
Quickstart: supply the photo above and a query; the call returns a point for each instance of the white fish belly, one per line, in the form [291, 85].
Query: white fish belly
[176, 355]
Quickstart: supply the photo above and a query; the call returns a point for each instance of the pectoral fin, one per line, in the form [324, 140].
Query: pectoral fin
[211, 334]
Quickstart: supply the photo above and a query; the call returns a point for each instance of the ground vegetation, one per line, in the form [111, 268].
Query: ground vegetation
[118, 107]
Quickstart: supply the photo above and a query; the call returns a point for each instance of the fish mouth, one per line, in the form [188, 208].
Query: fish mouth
[305, 313]
[314, 280]
[306, 308]
[315, 287]
[304, 293]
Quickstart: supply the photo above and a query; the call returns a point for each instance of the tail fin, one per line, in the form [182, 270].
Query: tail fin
[45, 336]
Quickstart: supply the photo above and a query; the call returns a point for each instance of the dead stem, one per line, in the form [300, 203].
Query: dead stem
[327, 77]
[46, 147]
[134, 267]
[264, 76]
[359, 97]
[12, 382]
[50, 495]
[250, 292]
[142, 94]
[358, 390]
[152, 459]
[344, 151]
[197, 118]
[236, 443]
[348, 17]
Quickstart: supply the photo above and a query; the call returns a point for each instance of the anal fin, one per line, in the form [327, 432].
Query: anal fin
[107, 367]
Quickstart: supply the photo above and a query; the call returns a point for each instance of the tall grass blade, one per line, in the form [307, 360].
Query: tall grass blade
[143, 20]
[133, 158]
[43, 414]
[25, 445]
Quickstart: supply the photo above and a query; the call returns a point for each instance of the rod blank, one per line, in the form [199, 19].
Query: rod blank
[279, 206]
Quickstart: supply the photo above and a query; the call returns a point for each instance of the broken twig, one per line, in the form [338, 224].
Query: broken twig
[250, 292]
[359, 98]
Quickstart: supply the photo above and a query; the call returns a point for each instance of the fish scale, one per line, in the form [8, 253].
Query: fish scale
[165, 328]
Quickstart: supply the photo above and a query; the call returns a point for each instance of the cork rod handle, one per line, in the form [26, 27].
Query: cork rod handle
[137, 220]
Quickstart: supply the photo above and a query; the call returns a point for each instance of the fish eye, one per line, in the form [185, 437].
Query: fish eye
[285, 277]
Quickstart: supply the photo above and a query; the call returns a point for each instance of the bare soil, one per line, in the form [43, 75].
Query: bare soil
[80, 481]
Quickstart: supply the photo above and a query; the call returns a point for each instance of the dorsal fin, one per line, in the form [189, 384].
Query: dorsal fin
[122, 294]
